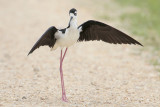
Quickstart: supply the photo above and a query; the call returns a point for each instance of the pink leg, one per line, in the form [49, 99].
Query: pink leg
[64, 54]
[64, 98]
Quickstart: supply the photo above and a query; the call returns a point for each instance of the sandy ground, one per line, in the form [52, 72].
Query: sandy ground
[96, 73]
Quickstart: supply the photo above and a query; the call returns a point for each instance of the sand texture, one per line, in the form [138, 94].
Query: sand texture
[96, 74]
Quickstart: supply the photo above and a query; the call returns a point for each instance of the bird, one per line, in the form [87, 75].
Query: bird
[88, 31]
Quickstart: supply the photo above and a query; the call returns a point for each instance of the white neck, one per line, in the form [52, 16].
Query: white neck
[73, 22]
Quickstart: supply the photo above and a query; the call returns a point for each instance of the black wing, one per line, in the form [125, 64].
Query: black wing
[47, 38]
[94, 30]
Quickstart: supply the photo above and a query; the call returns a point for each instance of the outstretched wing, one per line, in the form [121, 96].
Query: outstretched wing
[48, 38]
[94, 30]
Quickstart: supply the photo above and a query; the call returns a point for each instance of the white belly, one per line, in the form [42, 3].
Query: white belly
[69, 38]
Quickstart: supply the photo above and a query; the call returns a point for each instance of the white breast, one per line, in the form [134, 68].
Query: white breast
[70, 36]
[67, 39]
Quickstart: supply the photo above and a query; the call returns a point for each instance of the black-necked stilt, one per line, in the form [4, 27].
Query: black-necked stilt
[90, 30]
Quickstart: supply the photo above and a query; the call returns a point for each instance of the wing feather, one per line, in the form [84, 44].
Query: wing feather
[94, 30]
[48, 38]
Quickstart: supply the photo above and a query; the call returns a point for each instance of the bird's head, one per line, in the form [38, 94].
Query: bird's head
[73, 13]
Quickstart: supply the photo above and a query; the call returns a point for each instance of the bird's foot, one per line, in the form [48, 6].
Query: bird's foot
[64, 98]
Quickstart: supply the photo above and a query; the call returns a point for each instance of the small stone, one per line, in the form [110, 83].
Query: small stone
[42, 98]
[93, 83]
[24, 97]
[7, 56]
[35, 69]
[16, 99]
[97, 88]
[107, 88]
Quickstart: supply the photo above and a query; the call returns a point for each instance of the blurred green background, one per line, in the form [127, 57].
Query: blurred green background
[146, 23]
[141, 18]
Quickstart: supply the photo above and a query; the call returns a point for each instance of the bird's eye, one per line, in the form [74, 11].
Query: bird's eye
[75, 13]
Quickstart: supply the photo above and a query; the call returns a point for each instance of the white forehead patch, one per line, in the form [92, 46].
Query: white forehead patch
[71, 14]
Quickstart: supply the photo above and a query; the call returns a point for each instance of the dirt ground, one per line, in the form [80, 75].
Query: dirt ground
[96, 73]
